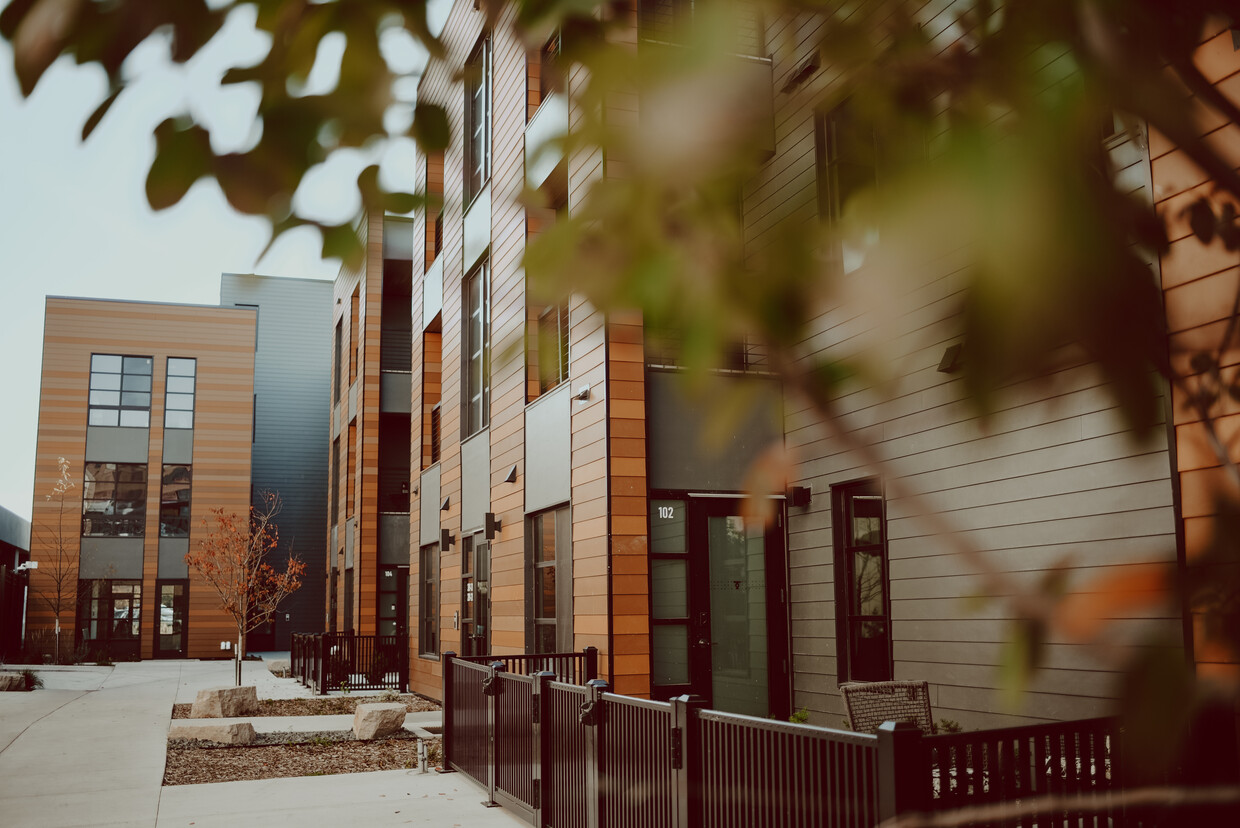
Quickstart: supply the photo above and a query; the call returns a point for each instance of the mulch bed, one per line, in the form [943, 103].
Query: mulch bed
[192, 762]
[322, 706]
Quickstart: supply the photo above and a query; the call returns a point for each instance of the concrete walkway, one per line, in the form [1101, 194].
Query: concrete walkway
[89, 749]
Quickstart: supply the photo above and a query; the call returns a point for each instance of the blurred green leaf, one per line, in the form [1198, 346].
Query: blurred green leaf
[182, 156]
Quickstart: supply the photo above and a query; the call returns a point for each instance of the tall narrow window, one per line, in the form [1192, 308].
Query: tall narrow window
[337, 377]
[847, 158]
[120, 391]
[114, 500]
[434, 208]
[549, 620]
[863, 623]
[348, 599]
[552, 347]
[432, 390]
[179, 393]
[477, 350]
[355, 304]
[174, 491]
[335, 472]
[350, 472]
[428, 600]
[478, 118]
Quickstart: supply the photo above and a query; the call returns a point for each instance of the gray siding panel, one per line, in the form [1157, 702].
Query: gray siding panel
[394, 538]
[475, 480]
[179, 446]
[292, 380]
[548, 450]
[172, 558]
[107, 444]
[111, 558]
[429, 502]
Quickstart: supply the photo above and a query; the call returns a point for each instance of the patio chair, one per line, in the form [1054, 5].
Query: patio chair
[870, 703]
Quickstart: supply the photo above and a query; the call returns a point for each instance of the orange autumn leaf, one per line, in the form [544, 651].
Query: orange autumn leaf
[1083, 613]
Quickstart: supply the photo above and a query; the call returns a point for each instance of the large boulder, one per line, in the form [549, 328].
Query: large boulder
[278, 667]
[225, 703]
[12, 681]
[374, 721]
[236, 733]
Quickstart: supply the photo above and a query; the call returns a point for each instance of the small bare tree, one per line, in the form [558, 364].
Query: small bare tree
[58, 576]
[232, 558]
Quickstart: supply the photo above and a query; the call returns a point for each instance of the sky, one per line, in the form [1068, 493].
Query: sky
[74, 219]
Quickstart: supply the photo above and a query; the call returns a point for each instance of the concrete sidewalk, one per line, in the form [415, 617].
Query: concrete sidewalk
[89, 749]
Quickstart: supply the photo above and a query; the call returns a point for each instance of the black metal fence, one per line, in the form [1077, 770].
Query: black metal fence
[339, 661]
[570, 756]
[572, 668]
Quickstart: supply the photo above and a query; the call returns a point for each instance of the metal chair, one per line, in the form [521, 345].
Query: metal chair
[870, 703]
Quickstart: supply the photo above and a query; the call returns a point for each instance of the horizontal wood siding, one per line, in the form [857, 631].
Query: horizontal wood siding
[1199, 285]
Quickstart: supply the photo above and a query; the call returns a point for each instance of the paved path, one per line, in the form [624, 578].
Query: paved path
[89, 750]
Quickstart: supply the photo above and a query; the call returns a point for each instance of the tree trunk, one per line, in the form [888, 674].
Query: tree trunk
[240, 652]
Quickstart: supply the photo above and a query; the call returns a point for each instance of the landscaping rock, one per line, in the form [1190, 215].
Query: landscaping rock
[373, 721]
[225, 703]
[278, 667]
[12, 681]
[237, 733]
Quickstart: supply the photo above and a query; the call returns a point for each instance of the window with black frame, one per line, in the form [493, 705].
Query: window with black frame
[847, 157]
[120, 391]
[179, 393]
[428, 601]
[174, 498]
[863, 623]
[550, 606]
[477, 395]
[114, 500]
[478, 119]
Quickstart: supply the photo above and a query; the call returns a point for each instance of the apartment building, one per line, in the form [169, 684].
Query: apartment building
[369, 416]
[155, 411]
[562, 495]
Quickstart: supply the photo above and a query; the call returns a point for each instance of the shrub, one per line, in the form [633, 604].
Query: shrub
[800, 717]
[33, 680]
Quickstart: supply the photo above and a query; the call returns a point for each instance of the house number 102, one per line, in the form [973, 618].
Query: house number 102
[667, 512]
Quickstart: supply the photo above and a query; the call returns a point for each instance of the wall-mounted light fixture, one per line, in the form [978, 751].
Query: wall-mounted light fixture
[447, 501]
[799, 495]
[491, 525]
[511, 477]
[950, 363]
[445, 540]
[583, 393]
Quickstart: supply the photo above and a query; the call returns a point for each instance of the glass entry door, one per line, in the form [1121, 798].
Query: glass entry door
[718, 590]
[173, 599]
[475, 595]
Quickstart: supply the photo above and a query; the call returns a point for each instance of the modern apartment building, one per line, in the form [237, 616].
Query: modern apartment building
[369, 416]
[562, 495]
[155, 410]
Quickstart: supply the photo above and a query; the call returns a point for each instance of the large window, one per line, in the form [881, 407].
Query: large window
[477, 350]
[428, 600]
[337, 378]
[120, 391]
[847, 159]
[109, 617]
[550, 615]
[552, 347]
[179, 395]
[478, 119]
[174, 492]
[863, 622]
[114, 500]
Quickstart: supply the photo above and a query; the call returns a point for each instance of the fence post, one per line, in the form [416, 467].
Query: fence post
[319, 658]
[591, 664]
[903, 778]
[447, 710]
[491, 688]
[541, 753]
[403, 643]
[686, 772]
[590, 717]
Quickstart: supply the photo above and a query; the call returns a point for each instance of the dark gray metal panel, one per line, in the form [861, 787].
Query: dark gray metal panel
[688, 452]
[172, 558]
[349, 535]
[428, 506]
[112, 444]
[179, 446]
[394, 538]
[395, 389]
[111, 558]
[548, 455]
[475, 480]
[292, 381]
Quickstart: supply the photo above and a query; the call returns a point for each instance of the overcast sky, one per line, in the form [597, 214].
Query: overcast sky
[74, 219]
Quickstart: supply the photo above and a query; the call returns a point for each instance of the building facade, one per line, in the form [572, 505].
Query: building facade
[156, 414]
[563, 496]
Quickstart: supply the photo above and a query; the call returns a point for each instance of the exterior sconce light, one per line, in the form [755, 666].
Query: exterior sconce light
[443, 507]
[800, 495]
[511, 477]
[492, 525]
[445, 540]
[583, 393]
[950, 363]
